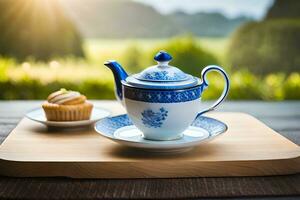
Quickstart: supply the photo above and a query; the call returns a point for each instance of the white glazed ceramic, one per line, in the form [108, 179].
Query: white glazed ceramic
[162, 101]
[178, 117]
[120, 129]
[38, 115]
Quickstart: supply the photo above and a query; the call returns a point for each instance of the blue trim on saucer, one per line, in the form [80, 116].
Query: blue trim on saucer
[163, 96]
[109, 125]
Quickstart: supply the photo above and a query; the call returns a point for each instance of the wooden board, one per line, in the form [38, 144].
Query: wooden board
[248, 148]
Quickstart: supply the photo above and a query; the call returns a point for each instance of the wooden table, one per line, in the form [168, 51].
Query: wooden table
[284, 117]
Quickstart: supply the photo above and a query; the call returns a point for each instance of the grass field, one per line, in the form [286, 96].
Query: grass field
[99, 50]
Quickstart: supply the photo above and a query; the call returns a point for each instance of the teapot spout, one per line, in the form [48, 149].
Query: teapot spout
[119, 75]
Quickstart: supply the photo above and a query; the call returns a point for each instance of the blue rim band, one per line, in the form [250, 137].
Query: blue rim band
[163, 96]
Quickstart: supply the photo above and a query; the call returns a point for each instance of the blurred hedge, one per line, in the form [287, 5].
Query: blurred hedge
[266, 47]
[248, 86]
[35, 89]
[244, 86]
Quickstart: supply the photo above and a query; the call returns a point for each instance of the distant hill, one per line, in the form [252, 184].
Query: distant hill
[207, 24]
[128, 19]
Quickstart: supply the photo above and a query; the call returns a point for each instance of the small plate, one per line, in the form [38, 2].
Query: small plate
[121, 130]
[38, 115]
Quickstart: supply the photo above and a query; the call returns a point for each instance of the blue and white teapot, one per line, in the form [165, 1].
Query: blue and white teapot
[162, 101]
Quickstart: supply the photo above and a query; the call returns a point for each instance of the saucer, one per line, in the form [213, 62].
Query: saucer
[121, 130]
[38, 115]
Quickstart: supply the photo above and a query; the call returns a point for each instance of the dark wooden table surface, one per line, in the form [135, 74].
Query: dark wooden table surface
[284, 117]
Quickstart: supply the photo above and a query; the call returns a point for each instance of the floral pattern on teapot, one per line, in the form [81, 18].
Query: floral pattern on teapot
[154, 119]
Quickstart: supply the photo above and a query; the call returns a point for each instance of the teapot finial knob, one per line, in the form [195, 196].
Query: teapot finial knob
[162, 56]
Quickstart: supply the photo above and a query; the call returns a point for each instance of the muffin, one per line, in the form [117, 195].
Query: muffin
[66, 105]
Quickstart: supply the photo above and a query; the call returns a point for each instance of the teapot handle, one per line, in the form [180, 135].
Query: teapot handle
[205, 85]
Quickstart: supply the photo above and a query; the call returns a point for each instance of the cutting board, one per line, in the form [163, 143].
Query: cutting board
[248, 148]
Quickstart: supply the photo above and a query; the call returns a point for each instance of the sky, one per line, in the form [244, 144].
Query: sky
[231, 8]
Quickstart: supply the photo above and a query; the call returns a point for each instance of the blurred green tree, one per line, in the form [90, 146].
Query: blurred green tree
[284, 9]
[132, 59]
[187, 54]
[265, 47]
[37, 29]
[271, 45]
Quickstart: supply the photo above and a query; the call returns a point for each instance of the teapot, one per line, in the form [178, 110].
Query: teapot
[162, 101]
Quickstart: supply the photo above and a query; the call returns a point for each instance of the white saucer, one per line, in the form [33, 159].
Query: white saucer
[38, 115]
[121, 130]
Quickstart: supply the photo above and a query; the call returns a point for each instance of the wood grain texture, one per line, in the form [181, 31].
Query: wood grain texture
[249, 148]
[274, 114]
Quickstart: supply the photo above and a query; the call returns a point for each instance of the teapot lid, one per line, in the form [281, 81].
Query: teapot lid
[162, 75]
